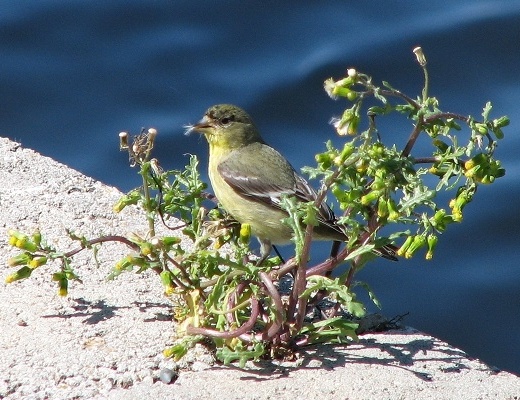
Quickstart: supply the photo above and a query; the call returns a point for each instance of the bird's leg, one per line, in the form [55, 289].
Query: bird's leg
[265, 250]
[278, 254]
[335, 249]
[333, 254]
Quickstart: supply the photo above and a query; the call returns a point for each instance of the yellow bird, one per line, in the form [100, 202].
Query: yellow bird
[249, 178]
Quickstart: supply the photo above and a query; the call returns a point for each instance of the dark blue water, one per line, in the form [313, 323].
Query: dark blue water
[75, 73]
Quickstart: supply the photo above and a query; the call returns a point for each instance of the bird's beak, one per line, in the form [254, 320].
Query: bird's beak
[203, 126]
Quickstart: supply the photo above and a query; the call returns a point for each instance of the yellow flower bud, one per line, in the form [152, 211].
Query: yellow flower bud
[37, 262]
[245, 233]
[63, 286]
[393, 213]
[432, 244]
[21, 241]
[22, 273]
[146, 248]
[404, 247]
[167, 282]
[418, 242]
[12, 241]
[370, 197]
[361, 166]
[457, 215]
[382, 208]
[20, 259]
[123, 263]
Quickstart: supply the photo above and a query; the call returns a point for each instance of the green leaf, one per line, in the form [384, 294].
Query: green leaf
[371, 294]
[331, 330]
[486, 110]
[367, 248]
[240, 354]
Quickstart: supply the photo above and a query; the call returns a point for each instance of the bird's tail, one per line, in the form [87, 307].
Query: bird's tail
[388, 251]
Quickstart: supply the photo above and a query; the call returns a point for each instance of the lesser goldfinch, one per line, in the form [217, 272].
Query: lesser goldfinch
[249, 178]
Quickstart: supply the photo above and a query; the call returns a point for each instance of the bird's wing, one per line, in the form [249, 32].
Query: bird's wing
[304, 192]
[245, 171]
[259, 173]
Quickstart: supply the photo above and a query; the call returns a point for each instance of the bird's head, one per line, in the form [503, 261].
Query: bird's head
[226, 125]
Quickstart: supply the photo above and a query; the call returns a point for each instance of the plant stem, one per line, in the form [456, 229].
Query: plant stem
[111, 238]
[426, 83]
[147, 202]
[329, 264]
[397, 93]
[413, 137]
[296, 302]
[275, 296]
[445, 115]
[249, 324]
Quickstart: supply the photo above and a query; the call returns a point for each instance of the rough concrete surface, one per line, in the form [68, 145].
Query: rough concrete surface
[105, 340]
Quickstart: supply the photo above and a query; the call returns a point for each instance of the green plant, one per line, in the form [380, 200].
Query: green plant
[252, 311]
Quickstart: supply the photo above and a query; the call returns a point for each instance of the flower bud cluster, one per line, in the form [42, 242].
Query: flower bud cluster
[464, 196]
[440, 220]
[495, 126]
[413, 243]
[349, 122]
[334, 157]
[342, 87]
[28, 259]
[387, 210]
[24, 242]
[483, 169]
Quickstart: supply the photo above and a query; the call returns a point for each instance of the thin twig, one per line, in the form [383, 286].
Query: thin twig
[181, 270]
[425, 160]
[397, 93]
[413, 137]
[445, 115]
[110, 238]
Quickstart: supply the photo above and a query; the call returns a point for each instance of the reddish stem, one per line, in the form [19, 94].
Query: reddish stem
[275, 296]
[249, 324]
[110, 238]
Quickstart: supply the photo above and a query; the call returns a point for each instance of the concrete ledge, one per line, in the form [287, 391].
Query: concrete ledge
[105, 340]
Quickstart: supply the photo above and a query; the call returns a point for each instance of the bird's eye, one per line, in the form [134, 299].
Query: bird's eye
[226, 120]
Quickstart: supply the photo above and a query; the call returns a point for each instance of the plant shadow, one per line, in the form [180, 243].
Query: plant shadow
[401, 353]
[98, 311]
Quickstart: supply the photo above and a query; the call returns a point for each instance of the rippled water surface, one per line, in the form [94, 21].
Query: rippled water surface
[73, 74]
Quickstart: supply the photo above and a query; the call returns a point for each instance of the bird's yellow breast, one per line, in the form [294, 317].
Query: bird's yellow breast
[265, 221]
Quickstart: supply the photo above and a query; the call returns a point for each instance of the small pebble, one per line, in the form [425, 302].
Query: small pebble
[167, 375]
